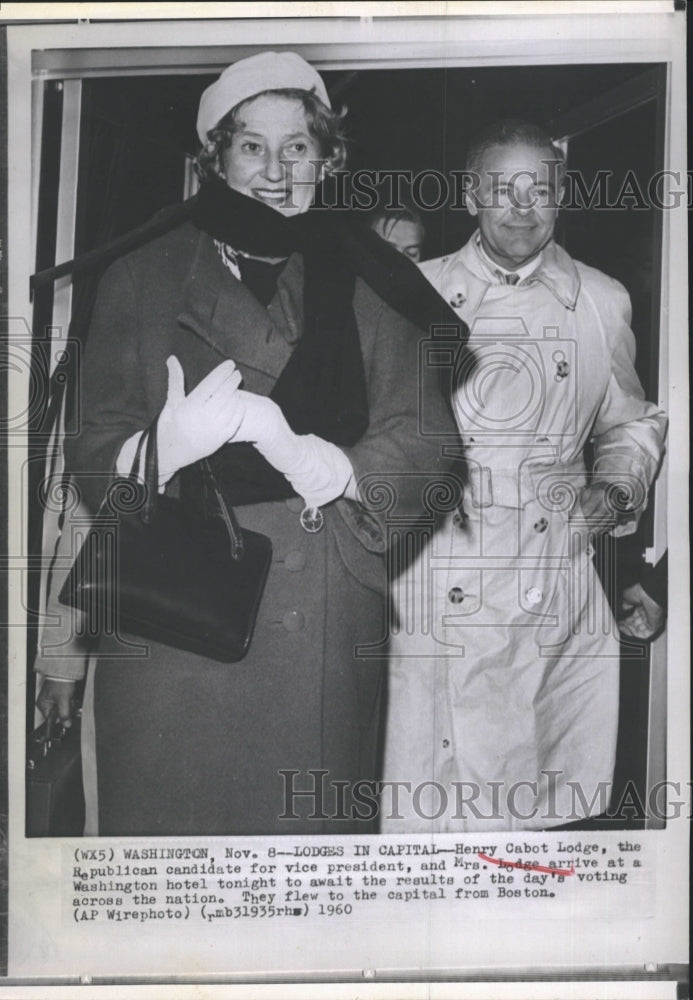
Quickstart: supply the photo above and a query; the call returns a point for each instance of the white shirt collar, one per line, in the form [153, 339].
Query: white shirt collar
[523, 272]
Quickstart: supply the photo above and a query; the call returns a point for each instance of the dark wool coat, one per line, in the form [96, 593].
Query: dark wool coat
[190, 746]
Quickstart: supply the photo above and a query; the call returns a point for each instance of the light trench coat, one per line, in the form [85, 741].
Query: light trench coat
[504, 671]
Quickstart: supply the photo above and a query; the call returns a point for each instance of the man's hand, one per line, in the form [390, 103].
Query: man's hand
[58, 695]
[645, 617]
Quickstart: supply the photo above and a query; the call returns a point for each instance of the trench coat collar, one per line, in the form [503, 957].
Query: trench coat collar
[465, 278]
[223, 312]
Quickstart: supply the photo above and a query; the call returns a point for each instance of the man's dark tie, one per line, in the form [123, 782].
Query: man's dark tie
[508, 279]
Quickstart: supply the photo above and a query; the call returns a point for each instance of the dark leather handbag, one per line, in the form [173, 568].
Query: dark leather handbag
[160, 569]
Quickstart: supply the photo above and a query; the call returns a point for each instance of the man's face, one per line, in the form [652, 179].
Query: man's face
[516, 202]
[405, 236]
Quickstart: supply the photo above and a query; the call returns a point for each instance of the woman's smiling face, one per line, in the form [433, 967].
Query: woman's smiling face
[272, 156]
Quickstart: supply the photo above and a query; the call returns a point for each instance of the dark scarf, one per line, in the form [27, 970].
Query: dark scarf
[322, 389]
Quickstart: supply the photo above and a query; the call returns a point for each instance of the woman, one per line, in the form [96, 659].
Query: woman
[258, 292]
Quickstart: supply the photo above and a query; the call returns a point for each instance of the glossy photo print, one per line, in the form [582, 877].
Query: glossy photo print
[346, 435]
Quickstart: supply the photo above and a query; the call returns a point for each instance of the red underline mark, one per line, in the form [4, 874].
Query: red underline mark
[527, 865]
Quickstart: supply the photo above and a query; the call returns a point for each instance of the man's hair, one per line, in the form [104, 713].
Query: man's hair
[324, 124]
[512, 132]
[391, 216]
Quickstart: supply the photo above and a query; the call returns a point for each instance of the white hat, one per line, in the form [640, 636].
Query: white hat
[244, 79]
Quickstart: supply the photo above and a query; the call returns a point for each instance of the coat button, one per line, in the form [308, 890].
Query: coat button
[446, 743]
[541, 525]
[295, 561]
[534, 595]
[295, 505]
[455, 595]
[293, 621]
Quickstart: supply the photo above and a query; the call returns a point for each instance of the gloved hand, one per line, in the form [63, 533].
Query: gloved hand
[318, 470]
[194, 426]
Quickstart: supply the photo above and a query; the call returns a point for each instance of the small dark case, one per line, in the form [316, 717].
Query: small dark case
[54, 794]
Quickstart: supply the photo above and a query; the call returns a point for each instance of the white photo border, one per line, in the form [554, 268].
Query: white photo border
[534, 35]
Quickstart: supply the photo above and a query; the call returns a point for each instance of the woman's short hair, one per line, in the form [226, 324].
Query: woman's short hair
[324, 124]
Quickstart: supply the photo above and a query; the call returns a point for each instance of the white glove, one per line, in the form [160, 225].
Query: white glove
[216, 412]
[318, 470]
[194, 426]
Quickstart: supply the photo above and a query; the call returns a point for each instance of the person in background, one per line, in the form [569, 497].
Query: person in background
[504, 695]
[402, 228]
[260, 338]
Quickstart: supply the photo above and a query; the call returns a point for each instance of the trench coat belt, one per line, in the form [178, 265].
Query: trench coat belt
[555, 486]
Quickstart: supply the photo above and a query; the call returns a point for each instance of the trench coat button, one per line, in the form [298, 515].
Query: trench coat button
[293, 621]
[541, 525]
[534, 595]
[295, 561]
[295, 505]
[455, 595]
[446, 743]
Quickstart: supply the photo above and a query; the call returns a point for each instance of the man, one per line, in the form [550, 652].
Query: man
[504, 691]
[402, 228]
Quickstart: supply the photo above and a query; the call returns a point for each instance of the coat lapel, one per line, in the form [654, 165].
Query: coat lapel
[221, 310]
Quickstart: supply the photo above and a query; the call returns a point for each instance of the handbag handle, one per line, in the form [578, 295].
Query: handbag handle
[151, 480]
